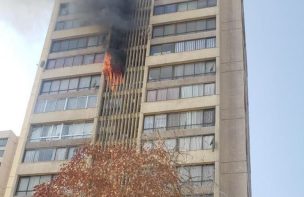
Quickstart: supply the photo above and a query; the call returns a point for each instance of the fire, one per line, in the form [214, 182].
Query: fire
[113, 77]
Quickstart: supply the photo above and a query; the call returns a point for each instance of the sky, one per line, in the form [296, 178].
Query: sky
[274, 33]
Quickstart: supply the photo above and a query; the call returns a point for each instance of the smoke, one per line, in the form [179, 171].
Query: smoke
[114, 15]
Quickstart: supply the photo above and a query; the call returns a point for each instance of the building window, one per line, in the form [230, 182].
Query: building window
[183, 6]
[51, 105]
[64, 9]
[77, 43]
[183, 46]
[182, 71]
[3, 142]
[182, 120]
[197, 175]
[75, 61]
[61, 131]
[184, 27]
[70, 24]
[183, 144]
[26, 185]
[181, 92]
[51, 154]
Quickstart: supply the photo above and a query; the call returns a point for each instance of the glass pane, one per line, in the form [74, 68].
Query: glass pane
[45, 179]
[198, 90]
[184, 144]
[77, 60]
[64, 45]
[182, 7]
[81, 102]
[29, 156]
[72, 103]
[185, 120]
[210, 43]
[56, 46]
[73, 43]
[201, 25]
[179, 47]
[68, 62]
[51, 64]
[199, 68]
[156, 50]
[159, 10]
[72, 152]
[211, 24]
[60, 104]
[186, 92]
[200, 44]
[50, 106]
[178, 71]
[209, 89]
[209, 116]
[170, 8]
[151, 96]
[162, 95]
[55, 86]
[189, 69]
[173, 121]
[190, 45]
[88, 129]
[197, 118]
[196, 143]
[36, 133]
[170, 144]
[99, 58]
[92, 41]
[166, 72]
[181, 28]
[154, 74]
[208, 173]
[95, 81]
[196, 173]
[59, 25]
[23, 184]
[210, 67]
[84, 82]
[73, 85]
[202, 3]
[64, 85]
[168, 48]
[191, 26]
[46, 87]
[169, 30]
[46, 155]
[60, 154]
[158, 31]
[160, 121]
[208, 142]
[88, 59]
[211, 3]
[59, 63]
[192, 5]
[82, 43]
[92, 101]
[148, 123]
[40, 106]
[173, 93]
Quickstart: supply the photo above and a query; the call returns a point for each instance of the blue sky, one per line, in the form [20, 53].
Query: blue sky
[274, 44]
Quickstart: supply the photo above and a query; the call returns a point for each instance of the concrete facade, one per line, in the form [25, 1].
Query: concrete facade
[126, 123]
[7, 150]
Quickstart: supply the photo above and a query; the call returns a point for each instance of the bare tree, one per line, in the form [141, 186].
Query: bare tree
[115, 171]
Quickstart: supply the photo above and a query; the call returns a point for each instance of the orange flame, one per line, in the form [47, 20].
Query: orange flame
[113, 77]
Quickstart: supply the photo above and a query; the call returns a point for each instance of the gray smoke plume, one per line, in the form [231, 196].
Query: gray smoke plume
[114, 15]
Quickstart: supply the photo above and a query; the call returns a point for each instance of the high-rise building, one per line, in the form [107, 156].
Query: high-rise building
[8, 144]
[184, 81]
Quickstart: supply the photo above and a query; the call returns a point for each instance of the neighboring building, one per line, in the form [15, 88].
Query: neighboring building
[185, 81]
[8, 144]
